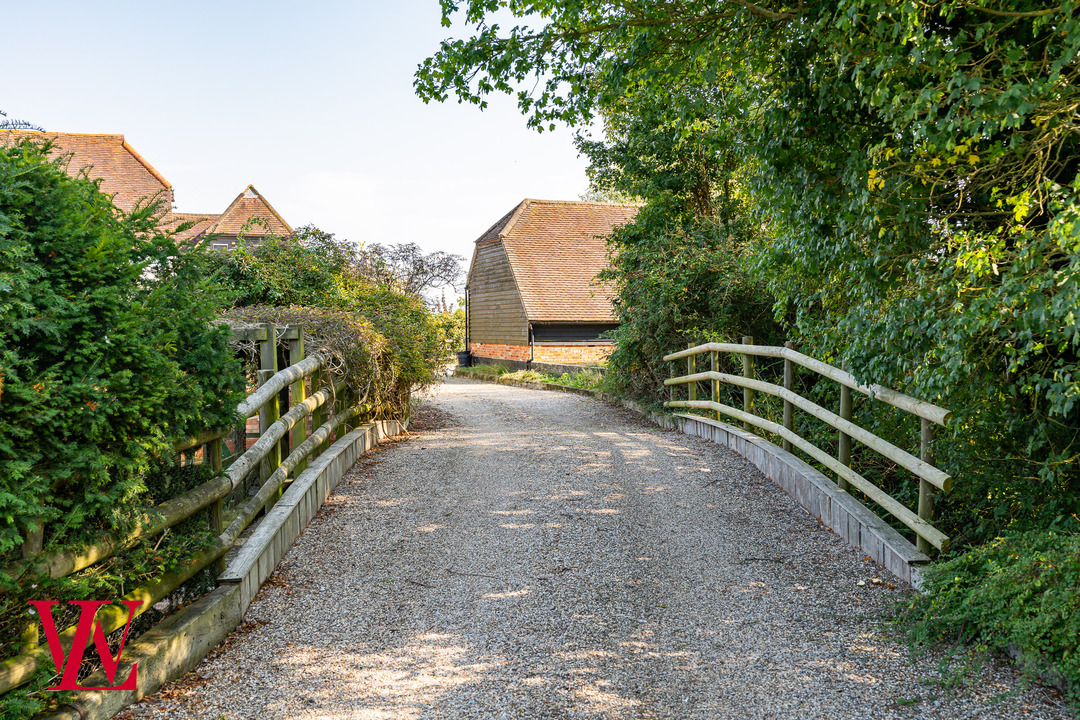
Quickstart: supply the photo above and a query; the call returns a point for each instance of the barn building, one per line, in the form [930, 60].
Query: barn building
[532, 294]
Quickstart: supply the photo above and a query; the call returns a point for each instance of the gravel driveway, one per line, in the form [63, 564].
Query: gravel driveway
[532, 554]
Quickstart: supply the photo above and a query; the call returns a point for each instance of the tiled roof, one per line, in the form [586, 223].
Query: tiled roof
[124, 173]
[200, 223]
[250, 204]
[556, 249]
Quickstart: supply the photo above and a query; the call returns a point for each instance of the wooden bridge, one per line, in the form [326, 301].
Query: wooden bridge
[527, 554]
[524, 554]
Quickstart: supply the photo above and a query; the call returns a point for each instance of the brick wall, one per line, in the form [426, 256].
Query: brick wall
[572, 354]
[562, 354]
[500, 352]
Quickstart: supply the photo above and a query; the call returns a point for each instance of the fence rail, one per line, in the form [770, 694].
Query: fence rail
[930, 477]
[264, 455]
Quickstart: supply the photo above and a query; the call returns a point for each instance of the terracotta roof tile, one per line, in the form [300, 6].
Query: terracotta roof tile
[124, 174]
[201, 222]
[250, 204]
[556, 249]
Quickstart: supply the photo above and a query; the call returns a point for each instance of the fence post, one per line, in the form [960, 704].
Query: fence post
[926, 490]
[691, 368]
[339, 407]
[268, 349]
[671, 388]
[748, 372]
[789, 384]
[319, 415]
[240, 439]
[297, 395]
[212, 455]
[33, 539]
[843, 453]
[714, 364]
[270, 413]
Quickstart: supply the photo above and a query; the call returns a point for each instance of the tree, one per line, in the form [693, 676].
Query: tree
[13, 124]
[407, 267]
[680, 269]
[912, 176]
[380, 338]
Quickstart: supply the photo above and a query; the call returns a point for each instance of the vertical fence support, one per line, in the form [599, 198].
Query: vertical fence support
[789, 384]
[748, 372]
[843, 453]
[926, 490]
[339, 407]
[33, 540]
[268, 349]
[671, 388]
[297, 395]
[268, 415]
[212, 455]
[240, 440]
[33, 537]
[714, 365]
[271, 411]
[691, 368]
[319, 414]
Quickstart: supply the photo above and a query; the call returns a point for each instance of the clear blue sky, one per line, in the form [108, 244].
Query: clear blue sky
[312, 103]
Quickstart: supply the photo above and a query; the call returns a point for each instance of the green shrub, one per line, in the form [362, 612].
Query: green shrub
[524, 376]
[309, 268]
[451, 325]
[1017, 591]
[382, 354]
[384, 340]
[107, 355]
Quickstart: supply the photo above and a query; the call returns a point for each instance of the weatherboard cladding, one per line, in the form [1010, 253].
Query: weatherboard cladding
[555, 249]
[495, 311]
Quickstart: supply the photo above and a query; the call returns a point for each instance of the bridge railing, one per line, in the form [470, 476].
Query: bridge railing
[931, 478]
[264, 456]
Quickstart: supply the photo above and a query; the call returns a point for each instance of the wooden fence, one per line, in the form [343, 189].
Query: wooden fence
[303, 385]
[930, 477]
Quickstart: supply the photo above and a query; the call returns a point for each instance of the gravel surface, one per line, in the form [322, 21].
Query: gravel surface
[532, 554]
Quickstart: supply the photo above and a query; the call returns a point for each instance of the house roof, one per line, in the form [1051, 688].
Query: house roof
[249, 204]
[200, 223]
[124, 173]
[556, 248]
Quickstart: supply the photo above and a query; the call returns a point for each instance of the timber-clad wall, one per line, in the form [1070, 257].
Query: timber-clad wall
[496, 314]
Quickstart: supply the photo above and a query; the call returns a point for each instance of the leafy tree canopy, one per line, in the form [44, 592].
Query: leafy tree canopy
[910, 169]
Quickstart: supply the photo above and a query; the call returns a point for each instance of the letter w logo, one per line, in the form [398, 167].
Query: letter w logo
[68, 667]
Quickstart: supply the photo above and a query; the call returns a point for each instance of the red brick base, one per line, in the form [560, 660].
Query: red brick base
[563, 354]
[500, 352]
[572, 354]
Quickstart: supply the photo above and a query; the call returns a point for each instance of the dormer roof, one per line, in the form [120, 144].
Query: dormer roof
[250, 204]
